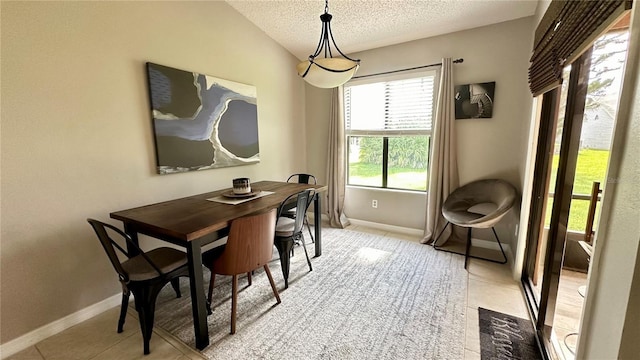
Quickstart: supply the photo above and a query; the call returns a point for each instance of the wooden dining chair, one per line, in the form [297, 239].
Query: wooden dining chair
[142, 273]
[289, 230]
[249, 247]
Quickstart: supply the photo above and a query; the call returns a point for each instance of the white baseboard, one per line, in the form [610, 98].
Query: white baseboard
[16, 345]
[493, 245]
[386, 227]
[487, 244]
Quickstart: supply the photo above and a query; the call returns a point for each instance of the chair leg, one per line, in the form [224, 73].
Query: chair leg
[504, 256]
[466, 253]
[145, 299]
[175, 283]
[306, 221]
[306, 253]
[210, 294]
[142, 317]
[123, 309]
[273, 284]
[284, 248]
[434, 244]
[234, 302]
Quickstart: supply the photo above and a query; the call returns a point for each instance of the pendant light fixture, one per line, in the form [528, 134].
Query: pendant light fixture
[327, 72]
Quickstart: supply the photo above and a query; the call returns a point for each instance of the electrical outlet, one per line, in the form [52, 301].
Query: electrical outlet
[374, 204]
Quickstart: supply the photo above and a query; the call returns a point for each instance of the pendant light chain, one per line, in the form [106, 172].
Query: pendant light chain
[326, 35]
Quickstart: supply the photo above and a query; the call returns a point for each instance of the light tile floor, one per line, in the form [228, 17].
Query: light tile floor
[490, 286]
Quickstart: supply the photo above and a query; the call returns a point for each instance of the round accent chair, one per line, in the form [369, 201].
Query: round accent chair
[479, 204]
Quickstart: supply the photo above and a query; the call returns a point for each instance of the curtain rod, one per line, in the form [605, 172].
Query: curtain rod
[456, 61]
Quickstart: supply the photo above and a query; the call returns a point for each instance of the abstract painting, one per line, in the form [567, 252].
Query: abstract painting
[474, 100]
[200, 121]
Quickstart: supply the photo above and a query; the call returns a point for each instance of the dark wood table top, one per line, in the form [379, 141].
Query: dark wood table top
[186, 219]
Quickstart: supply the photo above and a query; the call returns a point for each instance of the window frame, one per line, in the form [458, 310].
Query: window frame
[386, 134]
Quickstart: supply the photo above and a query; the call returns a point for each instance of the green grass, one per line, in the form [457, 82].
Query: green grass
[398, 178]
[591, 166]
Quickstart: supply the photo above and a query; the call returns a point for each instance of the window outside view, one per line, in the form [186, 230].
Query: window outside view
[605, 77]
[388, 126]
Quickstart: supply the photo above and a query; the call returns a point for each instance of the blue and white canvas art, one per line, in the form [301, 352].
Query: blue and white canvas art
[200, 121]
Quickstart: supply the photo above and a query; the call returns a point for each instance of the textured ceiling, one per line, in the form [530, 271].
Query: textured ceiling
[359, 25]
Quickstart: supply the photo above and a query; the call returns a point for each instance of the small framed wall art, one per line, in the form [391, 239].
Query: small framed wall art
[200, 121]
[474, 100]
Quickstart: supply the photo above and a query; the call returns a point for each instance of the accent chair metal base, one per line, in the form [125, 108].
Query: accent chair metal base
[467, 254]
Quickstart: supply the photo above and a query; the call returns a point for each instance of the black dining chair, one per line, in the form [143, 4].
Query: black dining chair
[142, 273]
[289, 230]
[302, 179]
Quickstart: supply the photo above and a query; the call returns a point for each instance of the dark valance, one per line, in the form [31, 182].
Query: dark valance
[565, 31]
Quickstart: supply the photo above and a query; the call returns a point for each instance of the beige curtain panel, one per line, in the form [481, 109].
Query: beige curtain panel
[336, 156]
[443, 167]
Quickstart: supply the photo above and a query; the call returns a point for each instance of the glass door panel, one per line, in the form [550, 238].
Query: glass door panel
[558, 143]
[603, 94]
[551, 171]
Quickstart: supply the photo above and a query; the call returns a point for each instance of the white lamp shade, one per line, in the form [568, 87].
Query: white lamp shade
[322, 78]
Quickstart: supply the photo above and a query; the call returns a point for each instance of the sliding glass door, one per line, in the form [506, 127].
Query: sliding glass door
[576, 126]
[558, 144]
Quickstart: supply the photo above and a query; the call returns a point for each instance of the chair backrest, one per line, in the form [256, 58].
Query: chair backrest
[304, 199]
[249, 245]
[111, 247]
[303, 179]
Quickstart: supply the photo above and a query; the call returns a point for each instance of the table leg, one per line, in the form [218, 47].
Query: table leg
[198, 301]
[133, 234]
[317, 224]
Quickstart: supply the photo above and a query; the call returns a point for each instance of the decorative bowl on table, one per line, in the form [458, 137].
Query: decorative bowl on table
[232, 195]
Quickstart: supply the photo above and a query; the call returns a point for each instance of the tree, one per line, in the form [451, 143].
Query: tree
[607, 58]
[404, 151]
[371, 150]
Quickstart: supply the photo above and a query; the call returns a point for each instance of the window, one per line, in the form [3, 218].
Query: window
[388, 129]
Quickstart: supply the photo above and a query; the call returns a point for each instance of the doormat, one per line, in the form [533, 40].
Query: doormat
[504, 336]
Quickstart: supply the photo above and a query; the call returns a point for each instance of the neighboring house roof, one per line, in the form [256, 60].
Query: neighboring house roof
[597, 127]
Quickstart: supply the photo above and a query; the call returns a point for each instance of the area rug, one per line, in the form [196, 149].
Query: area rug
[504, 336]
[368, 297]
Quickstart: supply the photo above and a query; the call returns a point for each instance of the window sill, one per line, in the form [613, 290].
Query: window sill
[402, 191]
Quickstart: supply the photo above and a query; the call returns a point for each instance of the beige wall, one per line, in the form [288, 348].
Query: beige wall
[317, 107]
[487, 148]
[629, 344]
[541, 8]
[77, 138]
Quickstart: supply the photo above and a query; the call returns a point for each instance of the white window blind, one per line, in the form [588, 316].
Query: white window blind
[390, 108]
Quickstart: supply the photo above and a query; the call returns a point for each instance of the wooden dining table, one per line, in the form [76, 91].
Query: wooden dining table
[194, 221]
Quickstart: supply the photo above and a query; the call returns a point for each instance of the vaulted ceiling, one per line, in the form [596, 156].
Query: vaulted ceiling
[359, 25]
